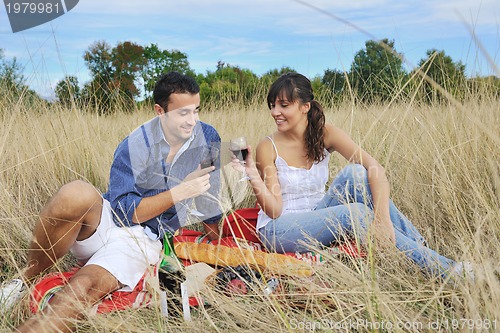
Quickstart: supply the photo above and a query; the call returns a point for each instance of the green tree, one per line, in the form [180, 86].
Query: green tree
[270, 76]
[98, 59]
[11, 75]
[98, 93]
[127, 62]
[67, 90]
[114, 73]
[445, 72]
[13, 85]
[377, 71]
[334, 80]
[484, 88]
[321, 91]
[161, 61]
[228, 84]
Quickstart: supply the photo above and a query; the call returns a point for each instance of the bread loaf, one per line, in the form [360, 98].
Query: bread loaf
[227, 256]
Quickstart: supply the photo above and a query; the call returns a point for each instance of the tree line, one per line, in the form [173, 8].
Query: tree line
[126, 74]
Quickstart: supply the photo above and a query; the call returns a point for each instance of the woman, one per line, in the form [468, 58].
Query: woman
[290, 174]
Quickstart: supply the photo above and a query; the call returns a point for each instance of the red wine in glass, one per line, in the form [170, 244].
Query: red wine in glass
[208, 157]
[206, 164]
[239, 148]
[240, 154]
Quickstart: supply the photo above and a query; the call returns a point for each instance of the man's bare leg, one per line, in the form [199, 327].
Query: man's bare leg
[85, 288]
[72, 214]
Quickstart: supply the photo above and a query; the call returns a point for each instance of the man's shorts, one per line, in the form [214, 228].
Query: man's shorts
[125, 252]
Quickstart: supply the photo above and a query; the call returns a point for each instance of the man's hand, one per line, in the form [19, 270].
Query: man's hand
[195, 184]
[198, 173]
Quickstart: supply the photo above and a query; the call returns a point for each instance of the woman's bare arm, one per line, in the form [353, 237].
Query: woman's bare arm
[338, 140]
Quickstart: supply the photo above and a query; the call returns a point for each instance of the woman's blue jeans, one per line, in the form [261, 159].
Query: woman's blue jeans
[344, 212]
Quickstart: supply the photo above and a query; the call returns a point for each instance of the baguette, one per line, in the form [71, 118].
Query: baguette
[231, 256]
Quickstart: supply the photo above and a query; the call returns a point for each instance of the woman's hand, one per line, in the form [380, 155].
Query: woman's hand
[383, 232]
[247, 167]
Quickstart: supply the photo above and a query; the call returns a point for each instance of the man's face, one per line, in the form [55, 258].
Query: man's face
[179, 119]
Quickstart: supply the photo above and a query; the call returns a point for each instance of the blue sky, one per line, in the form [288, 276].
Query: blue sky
[256, 34]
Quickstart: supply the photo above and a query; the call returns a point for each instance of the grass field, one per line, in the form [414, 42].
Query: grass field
[443, 163]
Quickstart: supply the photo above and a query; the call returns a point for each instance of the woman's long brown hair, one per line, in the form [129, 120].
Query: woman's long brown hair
[296, 87]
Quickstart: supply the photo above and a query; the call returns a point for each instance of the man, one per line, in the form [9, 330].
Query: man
[155, 182]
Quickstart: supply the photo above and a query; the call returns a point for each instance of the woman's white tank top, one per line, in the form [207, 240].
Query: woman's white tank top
[301, 189]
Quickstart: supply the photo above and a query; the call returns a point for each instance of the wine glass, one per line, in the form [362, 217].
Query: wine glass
[239, 147]
[209, 155]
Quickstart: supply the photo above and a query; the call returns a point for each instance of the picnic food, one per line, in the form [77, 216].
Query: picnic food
[220, 255]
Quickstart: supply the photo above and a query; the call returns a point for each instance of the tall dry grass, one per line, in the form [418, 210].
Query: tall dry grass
[443, 163]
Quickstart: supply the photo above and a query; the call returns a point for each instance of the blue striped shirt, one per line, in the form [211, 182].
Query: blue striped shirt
[140, 169]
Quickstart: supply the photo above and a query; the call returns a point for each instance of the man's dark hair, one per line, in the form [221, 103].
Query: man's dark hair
[173, 83]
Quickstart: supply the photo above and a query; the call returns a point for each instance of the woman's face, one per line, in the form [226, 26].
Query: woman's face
[288, 115]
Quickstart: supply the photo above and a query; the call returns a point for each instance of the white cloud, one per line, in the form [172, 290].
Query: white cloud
[482, 13]
[238, 46]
